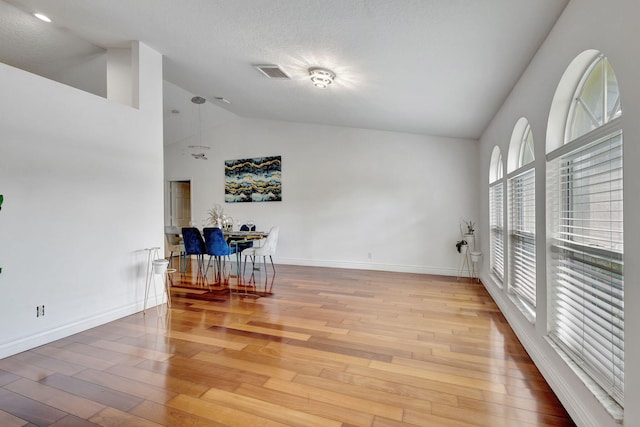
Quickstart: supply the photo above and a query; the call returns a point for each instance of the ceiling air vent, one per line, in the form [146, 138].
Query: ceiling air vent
[272, 71]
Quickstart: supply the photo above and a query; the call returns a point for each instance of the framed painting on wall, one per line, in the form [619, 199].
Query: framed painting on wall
[253, 180]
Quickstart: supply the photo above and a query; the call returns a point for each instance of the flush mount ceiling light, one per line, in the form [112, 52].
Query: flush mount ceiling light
[321, 77]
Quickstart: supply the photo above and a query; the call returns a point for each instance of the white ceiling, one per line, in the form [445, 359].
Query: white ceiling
[437, 67]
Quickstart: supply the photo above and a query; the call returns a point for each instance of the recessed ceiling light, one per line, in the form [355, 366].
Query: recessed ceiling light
[320, 77]
[222, 99]
[42, 17]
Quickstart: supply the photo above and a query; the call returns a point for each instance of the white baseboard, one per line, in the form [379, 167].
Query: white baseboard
[369, 266]
[32, 341]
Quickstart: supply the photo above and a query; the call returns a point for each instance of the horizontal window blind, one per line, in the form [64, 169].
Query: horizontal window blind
[497, 229]
[522, 260]
[586, 307]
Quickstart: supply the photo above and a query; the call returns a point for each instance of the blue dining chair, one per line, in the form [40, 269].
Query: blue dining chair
[216, 247]
[194, 245]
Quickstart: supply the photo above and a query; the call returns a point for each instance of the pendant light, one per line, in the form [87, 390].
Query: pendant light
[198, 100]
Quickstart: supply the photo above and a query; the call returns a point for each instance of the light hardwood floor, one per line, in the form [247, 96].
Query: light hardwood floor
[327, 347]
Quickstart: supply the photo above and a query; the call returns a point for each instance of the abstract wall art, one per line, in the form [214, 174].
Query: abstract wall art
[253, 180]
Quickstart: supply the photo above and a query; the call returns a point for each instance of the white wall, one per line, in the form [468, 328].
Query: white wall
[82, 183]
[87, 73]
[609, 28]
[347, 193]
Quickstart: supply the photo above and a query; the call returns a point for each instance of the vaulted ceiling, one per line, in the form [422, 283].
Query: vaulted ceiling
[437, 67]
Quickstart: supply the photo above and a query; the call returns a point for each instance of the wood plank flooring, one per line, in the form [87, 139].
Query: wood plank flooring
[327, 347]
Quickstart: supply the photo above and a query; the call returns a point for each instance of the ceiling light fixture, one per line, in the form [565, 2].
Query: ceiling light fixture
[222, 99]
[321, 77]
[42, 17]
[199, 101]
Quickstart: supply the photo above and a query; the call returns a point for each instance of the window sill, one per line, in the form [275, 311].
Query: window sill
[611, 406]
[497, 281]
[524, 309]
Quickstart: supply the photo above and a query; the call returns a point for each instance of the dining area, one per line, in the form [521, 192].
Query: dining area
[211, 256]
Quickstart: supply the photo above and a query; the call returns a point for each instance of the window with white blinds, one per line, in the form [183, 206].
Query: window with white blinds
[586, 317]
[496, 229]
[522, 260]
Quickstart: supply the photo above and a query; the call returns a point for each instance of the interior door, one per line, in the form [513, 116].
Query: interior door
[180, 193]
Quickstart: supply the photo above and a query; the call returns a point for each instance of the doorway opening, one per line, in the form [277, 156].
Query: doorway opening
[180, 203]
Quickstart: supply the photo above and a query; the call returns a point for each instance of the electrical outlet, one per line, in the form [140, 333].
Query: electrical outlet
[370, 255]
[39, 310]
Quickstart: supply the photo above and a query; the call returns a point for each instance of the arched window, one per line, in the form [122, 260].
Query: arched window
[526, 147]
[522, 219]
[585, 197]
[496, 222]
[597, 101]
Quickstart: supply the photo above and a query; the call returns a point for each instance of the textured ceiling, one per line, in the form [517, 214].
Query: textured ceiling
[437, 67]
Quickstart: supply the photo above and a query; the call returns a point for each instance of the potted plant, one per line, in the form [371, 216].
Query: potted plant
[470, 228]
[216, 216]
[461, 246]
